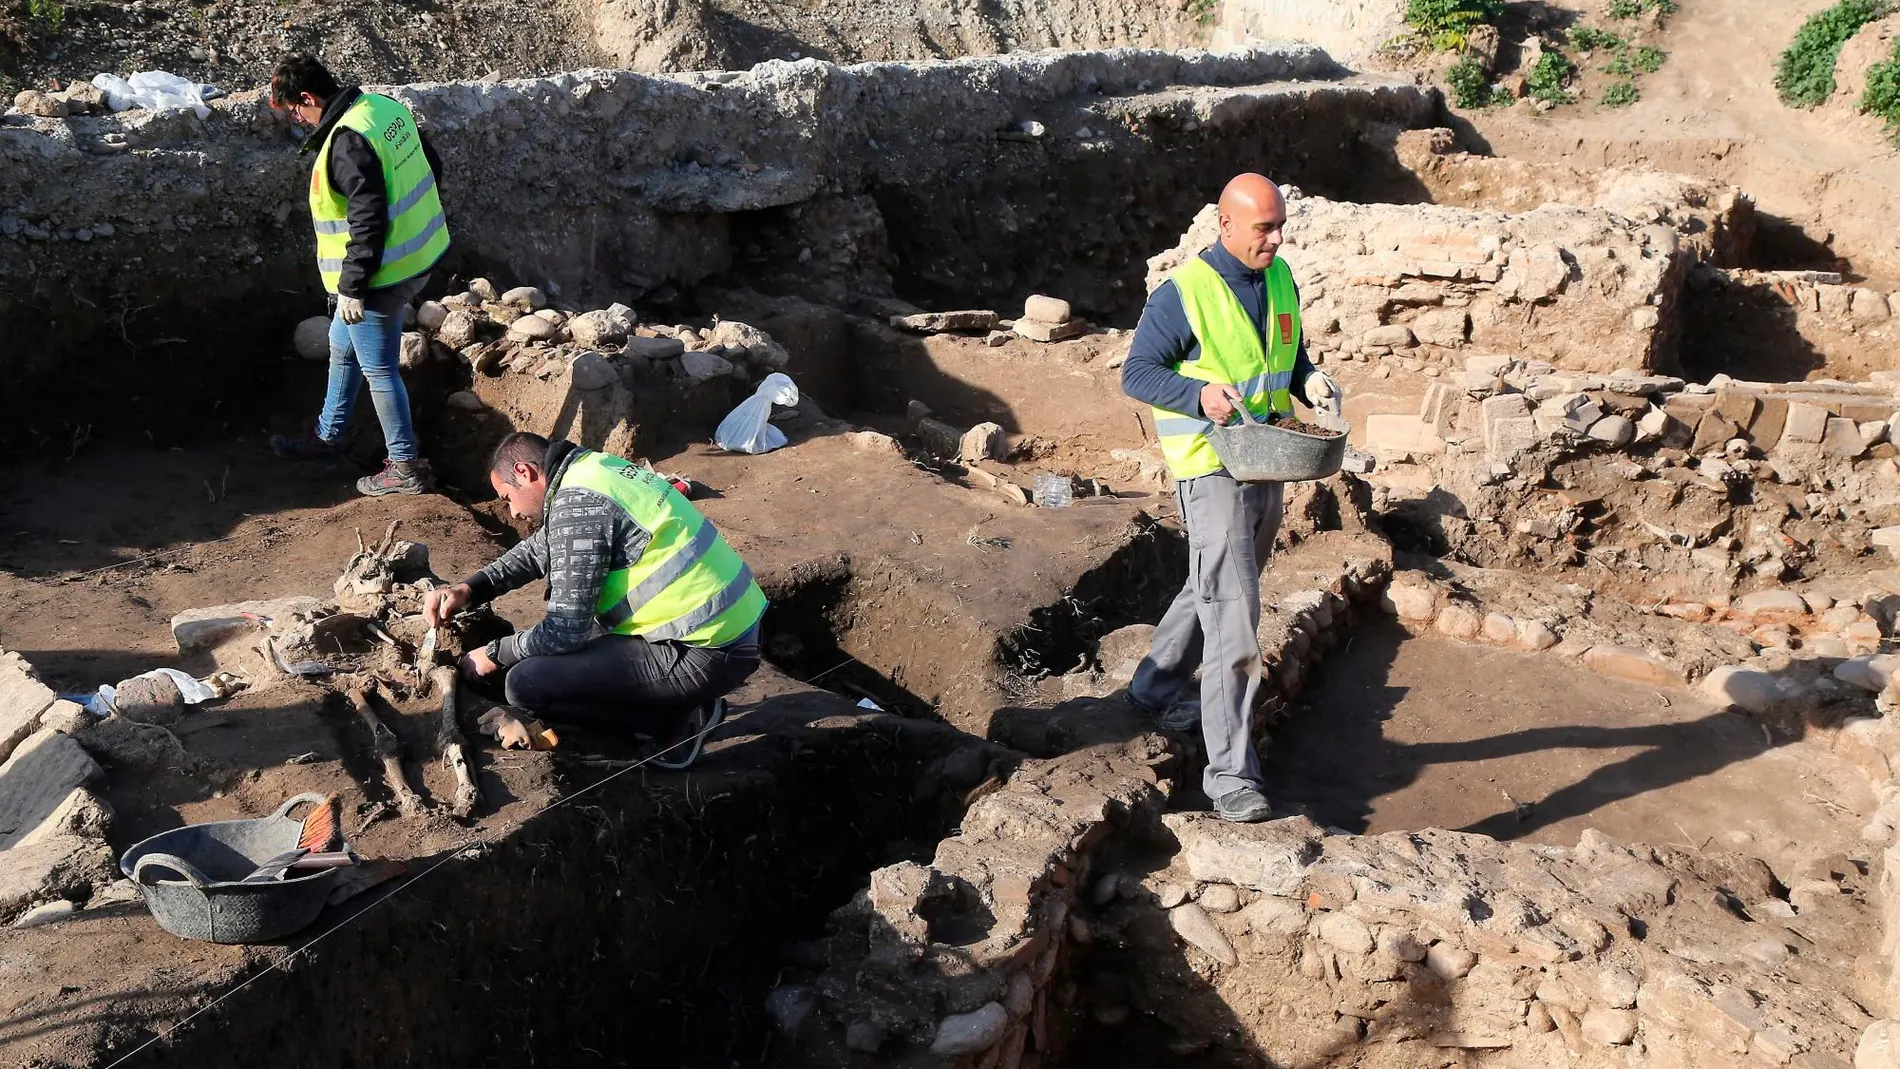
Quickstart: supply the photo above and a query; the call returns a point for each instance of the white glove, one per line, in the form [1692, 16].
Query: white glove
[1322, 392]
[349, 309]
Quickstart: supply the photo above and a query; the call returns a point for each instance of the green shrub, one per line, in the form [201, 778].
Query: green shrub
[1592, 39]
[1804, 76]
[48, 13]
[1619, 64]
[1446, 22]
[1470, 85]
[1629, 9]
[1619, 94]
[1882, 96]
[1203, 11]
[1502, 97]
[1547, 78]
[1647, 59]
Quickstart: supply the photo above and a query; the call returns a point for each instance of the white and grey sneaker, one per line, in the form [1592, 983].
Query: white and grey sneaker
[1243, 806]
[683, 751]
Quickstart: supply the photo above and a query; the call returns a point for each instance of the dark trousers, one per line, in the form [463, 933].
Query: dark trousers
[626, 684]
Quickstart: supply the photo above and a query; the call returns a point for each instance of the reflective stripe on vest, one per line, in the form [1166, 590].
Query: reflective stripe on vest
[418, 231]
[1230, 352]
[688, 584]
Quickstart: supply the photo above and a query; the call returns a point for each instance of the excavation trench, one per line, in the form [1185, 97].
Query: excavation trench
[642, 923]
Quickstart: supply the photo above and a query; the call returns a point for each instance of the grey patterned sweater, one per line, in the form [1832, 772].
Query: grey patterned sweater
[583, 536]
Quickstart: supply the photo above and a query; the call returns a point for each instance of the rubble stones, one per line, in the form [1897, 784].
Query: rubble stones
[1615, 430]
[1412, 601]
[1394, 336]
[312, 338]
[458, 329]
[1346, 934]
[1871, 672]
[1449, 962]
[656, 348]
[47, 913]
[592, 371]
[1219, 898]
[525, 297]
[1743, 688]
[700, 366]
[23, 699]
[36, 783]
[600, 327]
[430, 315]
[41, 104]
[1193, 924]
[970, 1033]
[1270, 858]
[1868, 307]
[941, 322]
[197, 630]
[1609, 1027]
[1036, 330]
[985, 441]
[1046, 309]
[415, 350]
[758, 347]
[1879, 1046]
[1637, 666]
[1460, 622]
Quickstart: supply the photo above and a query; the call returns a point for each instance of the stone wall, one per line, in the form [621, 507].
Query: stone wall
[1716, 221]
[155, 252]
[52, 822]
[968, 961]
[1581, 288]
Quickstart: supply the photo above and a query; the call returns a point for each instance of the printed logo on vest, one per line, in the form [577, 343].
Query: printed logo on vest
[1286, 328]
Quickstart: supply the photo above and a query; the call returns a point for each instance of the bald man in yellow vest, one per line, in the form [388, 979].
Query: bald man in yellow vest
[1222, 333]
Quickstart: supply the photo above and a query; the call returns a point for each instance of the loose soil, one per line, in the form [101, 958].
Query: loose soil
[1402, 733]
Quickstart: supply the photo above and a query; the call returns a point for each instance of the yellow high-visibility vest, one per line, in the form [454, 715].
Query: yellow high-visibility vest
[418, 232]
[689, 584]
[1232, 352]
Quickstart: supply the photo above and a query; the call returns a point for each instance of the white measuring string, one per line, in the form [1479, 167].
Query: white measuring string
[399, 889]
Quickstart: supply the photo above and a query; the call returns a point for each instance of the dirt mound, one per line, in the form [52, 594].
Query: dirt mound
[234, 44]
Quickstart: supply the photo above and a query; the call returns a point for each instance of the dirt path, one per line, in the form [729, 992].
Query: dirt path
[1712, 110]
[1397, 728]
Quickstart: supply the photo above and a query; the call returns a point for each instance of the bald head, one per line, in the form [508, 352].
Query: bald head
[1252, 211]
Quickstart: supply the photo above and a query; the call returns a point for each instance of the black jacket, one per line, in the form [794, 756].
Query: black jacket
[357, 173]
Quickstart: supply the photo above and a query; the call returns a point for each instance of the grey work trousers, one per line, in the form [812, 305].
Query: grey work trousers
[1214, 622]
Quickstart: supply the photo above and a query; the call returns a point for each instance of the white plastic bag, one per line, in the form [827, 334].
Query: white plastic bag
[748, 429]
[157, 90]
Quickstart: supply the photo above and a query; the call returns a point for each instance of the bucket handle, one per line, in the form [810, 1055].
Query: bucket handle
[283, 811]
[169, 861]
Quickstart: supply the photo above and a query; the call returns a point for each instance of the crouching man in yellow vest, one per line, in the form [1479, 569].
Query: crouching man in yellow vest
[651, 617]
[1222, 333]
[380, 229]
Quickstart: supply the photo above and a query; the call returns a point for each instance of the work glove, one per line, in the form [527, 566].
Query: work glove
[349, 309]
[514, 733]
[1322, 392]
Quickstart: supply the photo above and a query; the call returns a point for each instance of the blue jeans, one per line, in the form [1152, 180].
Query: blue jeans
[372, 350]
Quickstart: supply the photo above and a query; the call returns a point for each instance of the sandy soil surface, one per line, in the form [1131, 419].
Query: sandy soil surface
[1411, 733]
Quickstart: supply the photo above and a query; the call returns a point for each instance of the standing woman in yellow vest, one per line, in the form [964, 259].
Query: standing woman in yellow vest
[1222, 333]
[380, 230]
[651, 618]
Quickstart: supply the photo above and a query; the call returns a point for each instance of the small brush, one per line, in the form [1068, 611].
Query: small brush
[322, 827]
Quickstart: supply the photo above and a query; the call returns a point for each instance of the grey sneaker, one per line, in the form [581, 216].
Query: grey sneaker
[683, 751]
[1244, 806]
[1184, 715]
